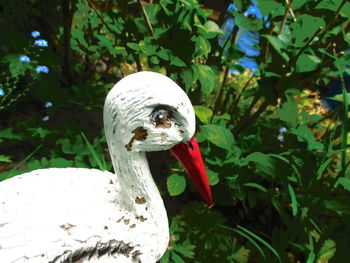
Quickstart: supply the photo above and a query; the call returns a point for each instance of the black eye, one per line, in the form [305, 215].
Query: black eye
[162, 116]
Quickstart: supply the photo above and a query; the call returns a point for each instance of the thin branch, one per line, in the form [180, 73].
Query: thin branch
[68, 10]
[145, 16]
[248, 119]
[328, 115]
[331, 23]
[268, 43]
[284, 20]
[234, 107]
[218, 98]
[291, 10]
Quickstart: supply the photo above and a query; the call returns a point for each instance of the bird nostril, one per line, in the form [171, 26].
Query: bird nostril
[190, 146]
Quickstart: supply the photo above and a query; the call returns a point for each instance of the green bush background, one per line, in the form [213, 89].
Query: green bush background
[276, 200]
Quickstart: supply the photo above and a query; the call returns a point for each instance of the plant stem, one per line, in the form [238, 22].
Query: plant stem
[145, 16]
[248, 119]
[328, 115]
[220, 93]
[344, 127]
[285, 17]
[68, 9]
[234, 107]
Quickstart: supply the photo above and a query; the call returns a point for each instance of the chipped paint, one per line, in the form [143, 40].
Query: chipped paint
[140, 134]
[140, 201]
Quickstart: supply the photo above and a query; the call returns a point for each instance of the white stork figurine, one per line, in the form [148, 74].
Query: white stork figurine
[75, 215]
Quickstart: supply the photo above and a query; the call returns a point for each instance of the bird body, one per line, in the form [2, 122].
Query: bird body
[77, 208]
[83, 215]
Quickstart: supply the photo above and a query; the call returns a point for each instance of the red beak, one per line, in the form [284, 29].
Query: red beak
[189, 155]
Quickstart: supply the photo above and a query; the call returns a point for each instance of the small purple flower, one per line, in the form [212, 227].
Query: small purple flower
[2, 93]
[46, 118]
[283, 130]
[35, 34]
[48, 104]
[41, 43]
[24, 59]
[280, 138]
[42, 69]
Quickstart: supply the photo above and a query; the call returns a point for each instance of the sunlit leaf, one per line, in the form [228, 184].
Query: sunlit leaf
[176, 184]
[206, 77]
[218, 135]
[203, 113]
[306, 63]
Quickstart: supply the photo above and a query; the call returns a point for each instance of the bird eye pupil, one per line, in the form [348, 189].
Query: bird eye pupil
[160, 116]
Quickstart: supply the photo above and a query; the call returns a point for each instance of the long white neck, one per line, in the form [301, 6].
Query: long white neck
[139, 192]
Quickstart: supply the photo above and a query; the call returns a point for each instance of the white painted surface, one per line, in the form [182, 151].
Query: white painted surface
[47, 212]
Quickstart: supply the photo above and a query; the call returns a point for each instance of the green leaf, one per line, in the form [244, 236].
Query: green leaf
[340, 97]
[176, 61]
[79, 35]
[206, 77]
[327, 251]
[248, 23]
[60, 163]
[305, 27]
[257, 186]
[278, 45]
[188, 78]
[166, 257]
[176, 258]
[343, 181]
[305, 135]
[94, 153]
[176, 184]
[8, 134]
[249, 238]
[306, 63]
[324, 165]
[293, 200]
[164, 54]
[218, 135]
[203, 113]
[210, 29]
[4, 159]
[213, 177]
[203, 46]
[267, 164]
[329, 4]
[262, 241]
[289, 111]
[147, 48]
[134, 46]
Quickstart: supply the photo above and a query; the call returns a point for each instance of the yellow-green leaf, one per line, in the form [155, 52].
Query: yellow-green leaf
[203, 113]
[176, 184]
[218, 135]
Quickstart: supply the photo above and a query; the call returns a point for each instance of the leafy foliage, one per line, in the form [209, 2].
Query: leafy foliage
[279, 170]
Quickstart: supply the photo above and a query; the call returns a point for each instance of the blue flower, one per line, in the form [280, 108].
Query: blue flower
[48, 104]
[41, 43]
[24, 59]
[35, 34]
[46, 118]
[283, 130]
[2, 93]
[42, 69]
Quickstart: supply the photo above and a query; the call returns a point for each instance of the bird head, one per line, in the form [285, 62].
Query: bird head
[148, 111]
